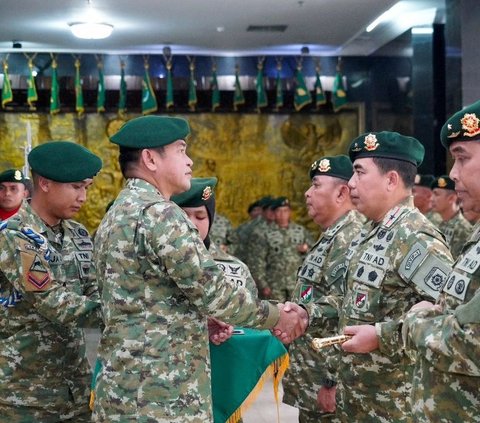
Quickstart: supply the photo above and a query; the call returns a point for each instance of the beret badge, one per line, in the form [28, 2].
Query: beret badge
[371, 143]
[207, 193]
[18, 175]
[442, 183]
[324, 165]
[470, 124]
[418, 178]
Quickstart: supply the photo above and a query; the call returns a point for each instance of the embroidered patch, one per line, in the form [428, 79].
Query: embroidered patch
[84, 256]
[306, 293]
[470, 262]
[369, 275]
[457, 285]
[36, 276]
[360, 300]
[375, 259]
[80, 232]
[83, 244]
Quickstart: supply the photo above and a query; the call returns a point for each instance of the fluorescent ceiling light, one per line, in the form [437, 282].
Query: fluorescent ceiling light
[91, 30]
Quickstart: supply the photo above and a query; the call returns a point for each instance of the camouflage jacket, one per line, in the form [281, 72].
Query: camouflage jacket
[320, 288]
[393, 265]
[243, 232]
[275, 258]
[446, 384]
[46, 290]
[456, 230]
[222, 233]
[159, 284]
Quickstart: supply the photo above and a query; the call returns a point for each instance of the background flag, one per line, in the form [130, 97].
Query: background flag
[55, 90]
[78, 89]
[32, 96]
[238, 97]
[192, 87]
[319, 93]
[339, 95]
[260, 86]
[122, 99]
[149, 101]
[215, 90]
[278, 87]
[101, 88]
[302, 95]
[7, 94]
[169, 99]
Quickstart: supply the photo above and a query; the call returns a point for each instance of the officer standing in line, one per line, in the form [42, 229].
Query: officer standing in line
[422, 197]
[399, 259]
[159, 284]
[12, 192]
[243, 230]
[446, 338]
[47, 290]
[321, 284]
[454, 226]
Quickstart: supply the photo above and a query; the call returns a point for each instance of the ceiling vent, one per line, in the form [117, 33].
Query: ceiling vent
[267, 28]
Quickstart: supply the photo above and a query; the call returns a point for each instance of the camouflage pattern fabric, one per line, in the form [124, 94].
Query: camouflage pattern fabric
[456, 230]
[243, 232]
[256, 232]
[321, 275]
[434, 218]
[274, 257]
[447, 346]
[222, 233]
[397, 263]
[45, 375]
[159, 285]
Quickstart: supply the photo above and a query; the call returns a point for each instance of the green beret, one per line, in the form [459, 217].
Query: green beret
[12, 175]
[424, 180]
[200, 191]
[64, 161]
[151, 131]
[462, 126]
[264, 202]
[279, 202]
[337, 166]
[388, 145]
[253, 205]
[443, 182]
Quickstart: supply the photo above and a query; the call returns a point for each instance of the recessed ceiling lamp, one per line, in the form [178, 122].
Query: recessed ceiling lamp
[91, 28]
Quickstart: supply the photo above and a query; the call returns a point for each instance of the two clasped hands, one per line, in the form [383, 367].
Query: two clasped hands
[293, 322]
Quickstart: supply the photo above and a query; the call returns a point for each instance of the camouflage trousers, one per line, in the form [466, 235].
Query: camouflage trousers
[22, 414]
[307, 416]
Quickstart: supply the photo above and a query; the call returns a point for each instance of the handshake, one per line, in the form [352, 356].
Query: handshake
[293, 322]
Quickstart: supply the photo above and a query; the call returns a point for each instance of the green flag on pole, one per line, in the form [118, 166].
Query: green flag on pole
[122, 98]
[238, 97]
[32, 96]
[149, 101]
[260, 87]
[169, 99]
[339, 95]
[7, 93]
[215, 90]
[278, 86]
[55, 90]
[319, 93]
[192, 87]
[101, 89]
[78, 89]
[302, 96]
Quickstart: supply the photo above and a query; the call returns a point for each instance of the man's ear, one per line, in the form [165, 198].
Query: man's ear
[148, 159]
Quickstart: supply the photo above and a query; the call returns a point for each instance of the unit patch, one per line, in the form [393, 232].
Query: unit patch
[306, 294]
[457, 285]
[36, 276]
[360, 300]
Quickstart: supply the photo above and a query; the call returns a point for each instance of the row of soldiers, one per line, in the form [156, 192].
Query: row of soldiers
[410, 312]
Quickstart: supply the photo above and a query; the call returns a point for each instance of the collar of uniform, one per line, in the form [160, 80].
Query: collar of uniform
[336, 226]
[396, 212]
[29, 219]
[138, 184]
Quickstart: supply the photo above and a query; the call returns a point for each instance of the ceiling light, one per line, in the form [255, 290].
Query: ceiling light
[91, 30]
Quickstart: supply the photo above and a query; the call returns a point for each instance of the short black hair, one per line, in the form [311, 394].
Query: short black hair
[129, 157]
[406, 170]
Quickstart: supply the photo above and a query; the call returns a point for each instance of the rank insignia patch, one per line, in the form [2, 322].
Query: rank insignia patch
[306, 294]
[36, 274]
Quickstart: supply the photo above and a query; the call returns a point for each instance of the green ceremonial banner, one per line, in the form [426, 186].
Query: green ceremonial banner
[215, 91]
[192, 89]
[238, 97]
[339, 95]
[101, 90]
[278, 92]
[32, 96]
[55, 90]
[302, 95]
[78, 89]
[169, 99]
[149, 101]
[7, 94]
[260, 86]
[122, 99]
[319, 93]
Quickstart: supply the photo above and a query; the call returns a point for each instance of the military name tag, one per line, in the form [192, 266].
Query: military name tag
[233, 273]
[457, 285]
[83, 256]
[55, 258]
[375, 259]
[471, 261]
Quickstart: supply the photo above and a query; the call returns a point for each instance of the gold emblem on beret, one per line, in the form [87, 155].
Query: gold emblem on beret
[442, 183]
[18, 175]
[470, 124]
[324, 165]
[207, 193]
[371, 143]
[418, 178]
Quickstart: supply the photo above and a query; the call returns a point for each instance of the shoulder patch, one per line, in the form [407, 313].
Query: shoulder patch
[36, 273]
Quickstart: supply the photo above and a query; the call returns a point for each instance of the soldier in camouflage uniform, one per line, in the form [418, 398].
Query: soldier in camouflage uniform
[243, 230]
[47, 289]
[277, 254]
[223, 235]
[321, 275]
[422, 197]
[454, 226]
[446, 338]
[12, 192]
[399, 259]
[159, 284]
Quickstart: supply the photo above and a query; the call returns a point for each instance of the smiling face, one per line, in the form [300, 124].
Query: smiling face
[466, 173]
